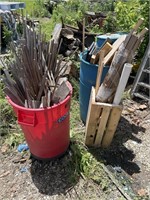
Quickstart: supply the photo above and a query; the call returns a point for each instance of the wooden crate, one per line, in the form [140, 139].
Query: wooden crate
[101, 123]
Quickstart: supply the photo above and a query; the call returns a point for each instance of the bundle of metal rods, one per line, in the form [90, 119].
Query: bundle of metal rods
[32, 77]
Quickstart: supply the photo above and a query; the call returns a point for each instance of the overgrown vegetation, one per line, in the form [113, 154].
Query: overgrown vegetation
[7, 35]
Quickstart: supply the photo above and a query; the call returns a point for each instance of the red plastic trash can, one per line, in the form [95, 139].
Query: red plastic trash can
[46, 130]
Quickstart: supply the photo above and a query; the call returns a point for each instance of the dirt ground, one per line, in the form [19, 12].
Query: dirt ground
[127, 159]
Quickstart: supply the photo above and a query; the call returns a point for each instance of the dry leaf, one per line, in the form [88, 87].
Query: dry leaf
[142, 192]
[125, 112]
[142, 107]
[131, 110]
[4, 174]
[4, 148]
[136, 121]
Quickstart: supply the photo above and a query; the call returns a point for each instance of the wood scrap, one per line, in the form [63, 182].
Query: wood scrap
[125, 53]
[89, 37]
[100, 70]
[115, 47]
[106, 48]
[56, 32]
[83, 35]
[61, 93]
[31, 79]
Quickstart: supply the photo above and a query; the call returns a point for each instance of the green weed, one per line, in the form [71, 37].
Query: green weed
[15, 138]
[85, 163]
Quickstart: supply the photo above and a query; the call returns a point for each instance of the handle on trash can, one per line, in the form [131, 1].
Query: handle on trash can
[26, 118]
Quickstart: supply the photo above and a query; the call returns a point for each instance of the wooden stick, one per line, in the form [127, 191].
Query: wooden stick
[0, 33]
[135, 28]
[106, 47]
[100, 70]
[83, 35]
[142, 33]
[114, 180]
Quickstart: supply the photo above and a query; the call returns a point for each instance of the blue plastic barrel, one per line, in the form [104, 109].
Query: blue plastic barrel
[101, 38]
[88, 74]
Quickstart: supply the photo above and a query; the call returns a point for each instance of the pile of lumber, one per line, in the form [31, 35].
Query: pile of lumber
[82, 29]
[93, 19]
[78, 34]
[68, 42]
[104, 109]
[121, 52]
[35, 77]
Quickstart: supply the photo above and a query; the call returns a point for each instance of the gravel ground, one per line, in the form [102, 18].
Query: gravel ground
[34, 179]
[128, 156]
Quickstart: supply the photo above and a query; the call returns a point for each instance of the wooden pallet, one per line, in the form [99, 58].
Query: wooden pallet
[102, 121]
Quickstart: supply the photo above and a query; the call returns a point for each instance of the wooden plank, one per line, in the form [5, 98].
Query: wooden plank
[91, 121]
[102, 126]
[100, 70]
[137, 44]
[131, 43]
[115, 47]
[105, 104]
[56, 32]
[116, 182]
[138, 24]
[61, 93]
[106, 48]
[0, 33]
[111, 127]
[135, 28]
[143, 32]
[83, 35]
[94, 53]
[91, 124]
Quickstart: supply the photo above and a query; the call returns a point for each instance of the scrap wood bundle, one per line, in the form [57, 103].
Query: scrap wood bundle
[124, 54]
[120, 52]
[104, 115]
[33, 78]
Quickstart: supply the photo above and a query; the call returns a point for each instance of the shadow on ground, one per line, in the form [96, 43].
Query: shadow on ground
[117, 155]
[56, 176]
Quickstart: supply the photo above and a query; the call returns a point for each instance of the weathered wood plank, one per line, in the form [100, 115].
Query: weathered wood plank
[115, 46]
[112, 125]
[99, 71]
[106, 48]
[102, 126]
[91, 121]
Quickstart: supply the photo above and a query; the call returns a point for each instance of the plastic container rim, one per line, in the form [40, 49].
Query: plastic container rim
[86, 62]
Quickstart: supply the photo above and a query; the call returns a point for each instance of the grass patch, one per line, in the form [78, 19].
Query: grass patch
[85, 163]
[47, 27]
[10, 133]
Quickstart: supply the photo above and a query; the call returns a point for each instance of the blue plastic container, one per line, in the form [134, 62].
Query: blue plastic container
[101, 38]
[88, 74]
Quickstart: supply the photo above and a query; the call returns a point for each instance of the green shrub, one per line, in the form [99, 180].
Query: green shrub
[127, 14]
[145, 14]
[110, 23]
[7, 35]
[70, 11]
[7, 116]
[40, 9]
